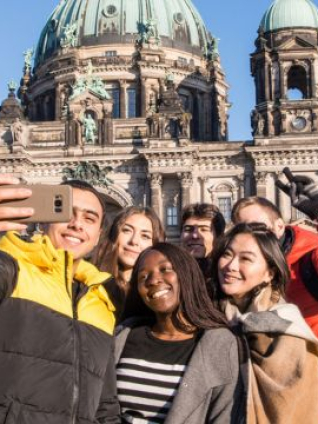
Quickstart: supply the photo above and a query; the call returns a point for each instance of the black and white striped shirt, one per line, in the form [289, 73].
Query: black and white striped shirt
[148, 375]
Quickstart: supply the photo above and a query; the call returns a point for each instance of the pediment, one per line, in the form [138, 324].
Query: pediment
[88, 96]
[296, 43]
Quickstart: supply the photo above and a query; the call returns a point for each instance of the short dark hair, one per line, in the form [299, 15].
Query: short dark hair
[195, 302]
[85, 186]
[270, 248]
[205, 211]
[272, 209]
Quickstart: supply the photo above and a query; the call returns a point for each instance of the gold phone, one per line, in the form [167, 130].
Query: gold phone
[51, 203]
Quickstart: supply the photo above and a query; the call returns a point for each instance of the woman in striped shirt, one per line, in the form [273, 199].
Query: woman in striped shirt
[177, 362]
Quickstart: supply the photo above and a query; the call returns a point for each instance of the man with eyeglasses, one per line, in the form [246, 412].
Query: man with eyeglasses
[201, 225]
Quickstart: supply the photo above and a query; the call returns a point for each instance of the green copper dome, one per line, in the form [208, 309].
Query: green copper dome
[104, 22]
[290, 14]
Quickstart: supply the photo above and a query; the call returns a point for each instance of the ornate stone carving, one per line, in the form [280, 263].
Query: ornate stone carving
[169, 120]
[148, 33]
[17, 131]
[89, 172]
[186, 178]
[261, 177]
[90, 83]
[257, 123]
[155, 180]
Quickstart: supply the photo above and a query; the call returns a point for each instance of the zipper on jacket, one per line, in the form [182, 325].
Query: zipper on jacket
[75, 400]
[76, 346]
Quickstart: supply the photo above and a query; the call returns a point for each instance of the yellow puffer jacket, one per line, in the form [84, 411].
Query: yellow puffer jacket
[56, 361]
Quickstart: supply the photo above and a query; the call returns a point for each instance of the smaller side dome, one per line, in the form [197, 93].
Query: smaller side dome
[290, 14]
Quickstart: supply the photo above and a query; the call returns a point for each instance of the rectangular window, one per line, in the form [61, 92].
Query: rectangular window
[131, 103]
[172, 216]
[225, 206]
[114, 92]
[182, 61]
[111, 53]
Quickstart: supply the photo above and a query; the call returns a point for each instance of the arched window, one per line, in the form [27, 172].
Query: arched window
[294, 94]
[297, 83]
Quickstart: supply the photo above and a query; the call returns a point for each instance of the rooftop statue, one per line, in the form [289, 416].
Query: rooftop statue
[148, 32]
[70, 38]
[78, 88]
[212, 48]
[12, 86]
[28, 56]
[93, 84]
[98, 87]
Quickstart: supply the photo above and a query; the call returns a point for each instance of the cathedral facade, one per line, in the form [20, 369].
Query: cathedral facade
[131, 96]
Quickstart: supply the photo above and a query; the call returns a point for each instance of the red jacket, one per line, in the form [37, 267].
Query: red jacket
[302, 241]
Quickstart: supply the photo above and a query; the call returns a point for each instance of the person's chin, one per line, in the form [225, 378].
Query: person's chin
[128, 263]
[196, 252]
[74, 249]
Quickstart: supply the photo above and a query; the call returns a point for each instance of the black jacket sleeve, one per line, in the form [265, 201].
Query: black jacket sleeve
[109, 411]
[8, 275]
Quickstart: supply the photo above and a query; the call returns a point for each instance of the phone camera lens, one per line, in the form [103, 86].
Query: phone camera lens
[58, 203]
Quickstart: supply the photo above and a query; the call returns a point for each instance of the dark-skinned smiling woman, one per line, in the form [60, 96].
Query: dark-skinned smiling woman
[177, 362]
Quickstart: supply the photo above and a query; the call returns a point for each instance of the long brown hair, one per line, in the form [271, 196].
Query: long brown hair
[106, 255]
[195, 304]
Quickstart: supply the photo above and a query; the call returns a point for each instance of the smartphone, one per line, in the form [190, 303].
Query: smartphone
[51, 203]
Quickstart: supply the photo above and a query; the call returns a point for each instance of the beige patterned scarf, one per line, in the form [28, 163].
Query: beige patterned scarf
[279, 361]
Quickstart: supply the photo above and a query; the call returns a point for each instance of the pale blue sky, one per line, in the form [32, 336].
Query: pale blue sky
[234, 22]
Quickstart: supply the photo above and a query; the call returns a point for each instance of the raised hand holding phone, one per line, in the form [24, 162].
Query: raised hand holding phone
[8, 214]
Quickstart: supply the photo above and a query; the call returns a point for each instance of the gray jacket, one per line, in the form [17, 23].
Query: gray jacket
[211, 391]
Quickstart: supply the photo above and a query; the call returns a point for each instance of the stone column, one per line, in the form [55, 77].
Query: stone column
[186, 182]
[270, 188]
[260, 178]
[266, 81]
[240, 189]
[156, 193]
[58, 109]
[143, 97]
[205, 198]
[313, 78]
[123, 99]
[109, 131]
[282, 81]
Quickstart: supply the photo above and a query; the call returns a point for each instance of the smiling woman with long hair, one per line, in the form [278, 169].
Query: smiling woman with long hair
[132, 231]
[280, 351]
[177, 362]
